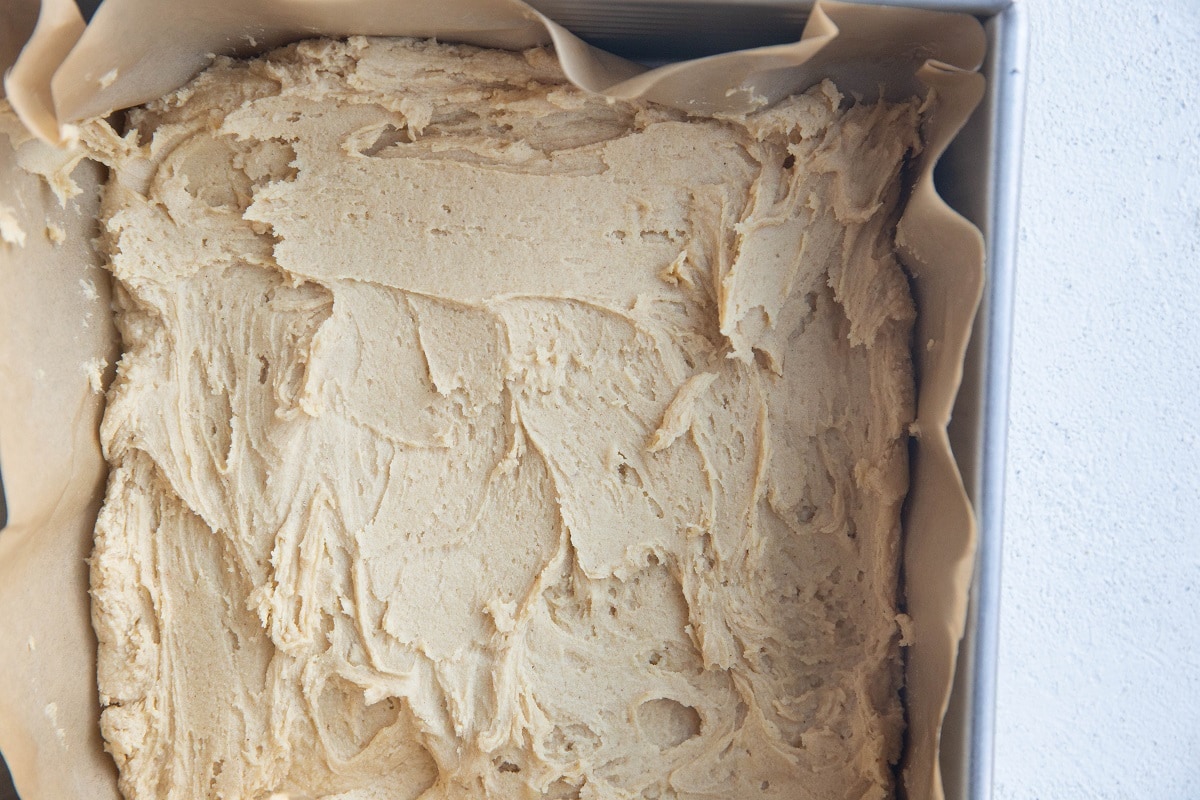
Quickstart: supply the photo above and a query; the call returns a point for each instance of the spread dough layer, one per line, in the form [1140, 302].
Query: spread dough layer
[479, 438]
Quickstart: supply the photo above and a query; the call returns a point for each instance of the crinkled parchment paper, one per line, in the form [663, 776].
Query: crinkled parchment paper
[57, 343]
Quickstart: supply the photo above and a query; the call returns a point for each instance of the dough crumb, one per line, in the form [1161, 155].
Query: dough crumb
[60, 733]
[10, 228]
[94, 370]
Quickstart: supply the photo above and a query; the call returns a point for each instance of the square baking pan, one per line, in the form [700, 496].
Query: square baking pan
[979, 177]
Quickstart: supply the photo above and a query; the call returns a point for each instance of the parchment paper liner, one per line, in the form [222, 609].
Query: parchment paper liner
[54, 326]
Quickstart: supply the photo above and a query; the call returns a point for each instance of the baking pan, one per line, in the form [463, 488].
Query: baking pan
[981, 172]
[979, 177]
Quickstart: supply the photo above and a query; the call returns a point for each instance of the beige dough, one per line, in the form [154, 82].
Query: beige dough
[479, 438]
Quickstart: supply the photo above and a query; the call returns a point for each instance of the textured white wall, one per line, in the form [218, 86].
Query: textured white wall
[1099, 686]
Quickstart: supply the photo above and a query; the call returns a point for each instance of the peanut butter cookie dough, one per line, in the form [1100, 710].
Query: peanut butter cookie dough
[479, 438]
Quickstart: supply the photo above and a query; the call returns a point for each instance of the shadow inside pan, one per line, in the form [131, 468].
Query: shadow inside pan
[7, 790]
[656, 33]
[87, 8]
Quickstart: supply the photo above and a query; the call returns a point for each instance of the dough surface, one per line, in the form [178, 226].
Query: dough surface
[479, 438]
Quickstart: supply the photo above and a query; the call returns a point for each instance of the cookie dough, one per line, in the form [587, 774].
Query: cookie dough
[476, 437]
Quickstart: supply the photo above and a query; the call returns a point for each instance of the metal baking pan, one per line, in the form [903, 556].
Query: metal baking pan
[979, 176]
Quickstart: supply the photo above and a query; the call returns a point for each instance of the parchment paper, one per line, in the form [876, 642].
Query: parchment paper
[56, 330]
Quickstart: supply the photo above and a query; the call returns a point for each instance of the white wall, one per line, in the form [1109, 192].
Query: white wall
[1100, 636]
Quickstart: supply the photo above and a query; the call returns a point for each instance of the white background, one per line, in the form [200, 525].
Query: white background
[1099, 684]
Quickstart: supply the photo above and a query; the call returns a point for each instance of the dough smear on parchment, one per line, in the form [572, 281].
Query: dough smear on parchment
[476, 437]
